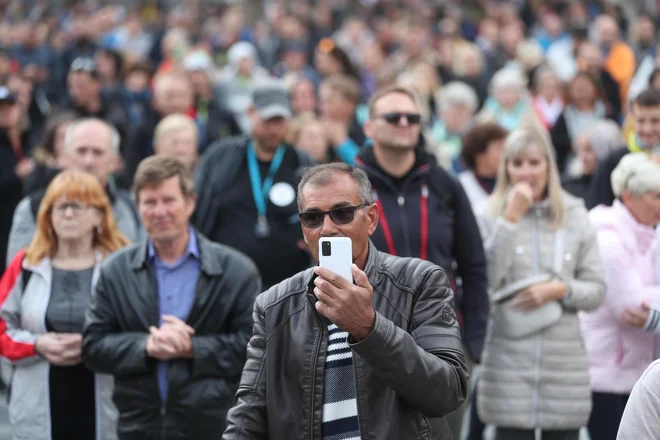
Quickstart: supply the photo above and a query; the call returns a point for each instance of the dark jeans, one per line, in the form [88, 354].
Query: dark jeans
[476, 427]
[606, 414]
[528, 434]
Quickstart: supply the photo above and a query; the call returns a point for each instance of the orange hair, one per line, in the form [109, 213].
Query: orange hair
[83, 188]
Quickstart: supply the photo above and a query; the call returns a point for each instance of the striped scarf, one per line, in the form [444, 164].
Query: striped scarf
[340, 421]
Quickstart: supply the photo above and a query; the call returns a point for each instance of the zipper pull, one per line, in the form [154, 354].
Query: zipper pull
[401, 201]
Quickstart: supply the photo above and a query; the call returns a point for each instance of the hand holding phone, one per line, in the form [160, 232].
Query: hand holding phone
[337, 255]
[349, 306]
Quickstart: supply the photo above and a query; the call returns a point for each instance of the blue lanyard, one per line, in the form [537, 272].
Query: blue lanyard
[259, 190]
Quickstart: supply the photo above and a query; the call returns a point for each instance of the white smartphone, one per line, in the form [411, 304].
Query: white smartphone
[336, 254]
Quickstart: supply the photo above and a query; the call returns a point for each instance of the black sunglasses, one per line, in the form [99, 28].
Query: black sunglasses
[394, 118]
[340, 216]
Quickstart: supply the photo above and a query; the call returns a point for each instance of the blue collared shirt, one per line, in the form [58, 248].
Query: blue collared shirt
[176, 290]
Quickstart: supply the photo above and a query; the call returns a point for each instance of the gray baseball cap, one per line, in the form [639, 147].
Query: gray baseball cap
[271, 100]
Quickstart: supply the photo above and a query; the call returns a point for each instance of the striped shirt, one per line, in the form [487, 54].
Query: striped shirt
[340, 421]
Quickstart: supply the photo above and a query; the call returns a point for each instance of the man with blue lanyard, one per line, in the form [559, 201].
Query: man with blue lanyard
[247, 189]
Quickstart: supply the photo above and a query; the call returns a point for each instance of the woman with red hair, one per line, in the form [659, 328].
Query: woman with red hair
[43, 298]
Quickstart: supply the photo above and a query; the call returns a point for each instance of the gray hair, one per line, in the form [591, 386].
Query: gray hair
[604, 137]
[457, 93]
[324, 174]
[636, 173]
[544, 72]
[115, 138]
[507, 77]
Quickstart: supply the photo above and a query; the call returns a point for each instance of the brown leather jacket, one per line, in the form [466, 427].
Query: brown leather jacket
[410, 372]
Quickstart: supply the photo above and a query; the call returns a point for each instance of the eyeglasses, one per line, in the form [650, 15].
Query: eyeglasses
[395, 118]
[339, 216]
[76, 208]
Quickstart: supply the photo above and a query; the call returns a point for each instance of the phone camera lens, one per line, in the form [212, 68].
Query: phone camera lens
[326, 250]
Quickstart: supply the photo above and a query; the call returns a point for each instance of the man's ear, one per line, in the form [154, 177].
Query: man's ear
[191, 201]
[368, 128]
[372, 215]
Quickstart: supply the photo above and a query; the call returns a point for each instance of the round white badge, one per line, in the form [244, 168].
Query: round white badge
[282, 194]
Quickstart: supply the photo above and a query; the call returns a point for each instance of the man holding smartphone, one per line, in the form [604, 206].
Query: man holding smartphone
[380, 358]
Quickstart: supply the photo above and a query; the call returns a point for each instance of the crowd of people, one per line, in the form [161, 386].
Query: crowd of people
[166, 173]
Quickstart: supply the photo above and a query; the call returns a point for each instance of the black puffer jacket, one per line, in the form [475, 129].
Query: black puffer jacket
[10, 192]
[410, 371]
[201, 389]
[453, 238]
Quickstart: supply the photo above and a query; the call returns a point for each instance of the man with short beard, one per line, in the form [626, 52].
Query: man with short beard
[247, 189]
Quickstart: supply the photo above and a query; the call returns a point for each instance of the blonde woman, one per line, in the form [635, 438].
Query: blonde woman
[469, 66]
[423, 78]
[177, 136]
[43, 298]
[308, 134]
[543, 267]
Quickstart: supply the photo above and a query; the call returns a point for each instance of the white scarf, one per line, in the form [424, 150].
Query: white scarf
[550, 111]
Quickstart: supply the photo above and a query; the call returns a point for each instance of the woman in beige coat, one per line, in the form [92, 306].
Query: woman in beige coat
[543, 267]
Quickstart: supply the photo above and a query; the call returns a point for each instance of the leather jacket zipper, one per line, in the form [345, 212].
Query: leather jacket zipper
[357, 395]
[317, 347]
[163, 431]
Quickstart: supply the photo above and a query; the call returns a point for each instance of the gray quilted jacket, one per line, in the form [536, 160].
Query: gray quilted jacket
[540, 381]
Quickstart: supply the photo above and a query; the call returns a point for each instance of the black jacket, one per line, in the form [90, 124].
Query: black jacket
[612, 93]
[600, 188]
[112, 111]
[577, 186]
[217, 171]
[39, 178]
[221, 124]
[201, 389]
[11, 189]
[410, 371]
[140, 144]
[453, 233]
[562, 141]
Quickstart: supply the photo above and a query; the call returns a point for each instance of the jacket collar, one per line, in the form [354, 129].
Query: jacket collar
[424, 162]
[45, 266]
[422, 158]
[373, 263]
[634, 236]
[210, 266]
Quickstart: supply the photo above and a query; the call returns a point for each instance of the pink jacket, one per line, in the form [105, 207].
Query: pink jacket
[618, 354]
